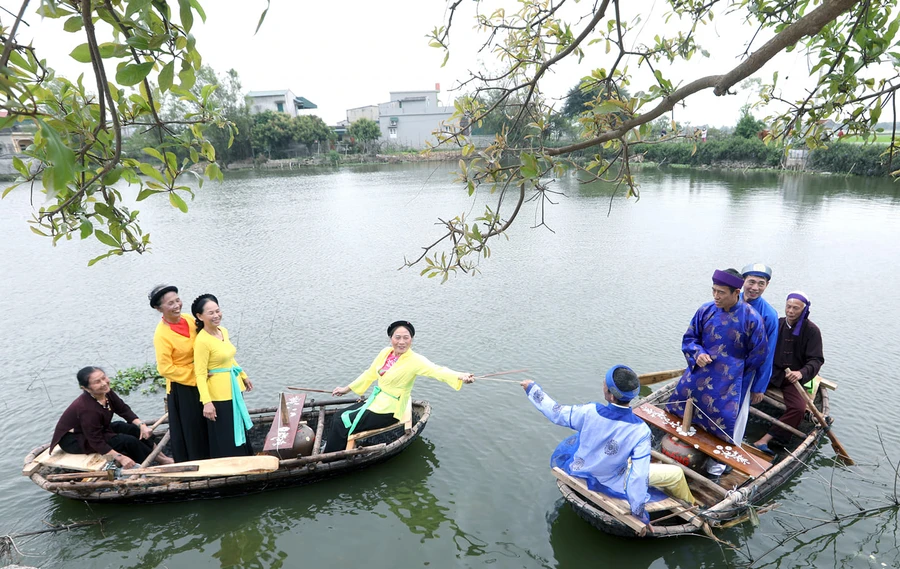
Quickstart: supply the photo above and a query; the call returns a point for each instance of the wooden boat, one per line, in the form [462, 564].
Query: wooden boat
[370, 448]
[722, 504]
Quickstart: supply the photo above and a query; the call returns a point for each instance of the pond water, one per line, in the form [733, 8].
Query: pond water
[305, 265]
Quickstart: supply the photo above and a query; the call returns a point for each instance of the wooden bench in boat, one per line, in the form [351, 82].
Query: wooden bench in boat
[62, 459]
[406, 421]
[741, 459]
[280, 439]
[618, 507]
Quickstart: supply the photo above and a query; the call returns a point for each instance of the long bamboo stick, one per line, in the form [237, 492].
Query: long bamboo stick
[309, 389]
[500, 373]
[331, 456]
[774, 421]
[132, 471]
[159, 422]
[497, 379]
[320, 430]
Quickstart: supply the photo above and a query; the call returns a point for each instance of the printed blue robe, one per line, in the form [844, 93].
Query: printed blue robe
[735, 339]
[607, 436]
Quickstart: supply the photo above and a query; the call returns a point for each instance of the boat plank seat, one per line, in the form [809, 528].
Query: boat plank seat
[818, 381]
[285, 424]
[710, 445]
[618, 508]
[406, 421]
[79, 462]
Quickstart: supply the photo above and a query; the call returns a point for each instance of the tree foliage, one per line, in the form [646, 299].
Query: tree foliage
[365, 130]
[748, 126]
[77, 156]
[852, 45]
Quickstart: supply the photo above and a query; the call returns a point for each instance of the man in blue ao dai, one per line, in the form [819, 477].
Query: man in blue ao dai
[725, 347]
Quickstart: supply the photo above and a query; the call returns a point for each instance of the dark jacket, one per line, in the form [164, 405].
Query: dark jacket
[801, 353]
[90, 422]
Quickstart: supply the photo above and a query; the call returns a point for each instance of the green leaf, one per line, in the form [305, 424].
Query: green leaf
[213, 172]
[146, 193]
[149, 170]
[199, 9]
[100, 258]
[166, 76]
[187, 78]
[61, 156]
[38, 231]
[20, 167]
[262, 17]
[176, 201]
[106, 238]
[73, 24]
[87, 229]
[153, 152]
[82, 53]
[187, 16]
[133, 73]
[138, 42]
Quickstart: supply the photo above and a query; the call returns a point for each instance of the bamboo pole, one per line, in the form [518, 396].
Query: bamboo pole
[695, 476]
[835, 443]
[320, 430]
[133, 471]
[774, 403]
[659, 376]
[309, 389]
[500, 373]
[774, 421]
[498, 379]
[330, 457]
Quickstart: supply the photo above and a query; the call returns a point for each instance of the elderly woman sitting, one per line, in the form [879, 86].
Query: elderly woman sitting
[395, 369]
[86, 426]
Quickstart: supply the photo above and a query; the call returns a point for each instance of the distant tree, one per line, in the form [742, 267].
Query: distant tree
[271, 132]
[309, 129]
[365, 131]
[748, 126]
[585, 96]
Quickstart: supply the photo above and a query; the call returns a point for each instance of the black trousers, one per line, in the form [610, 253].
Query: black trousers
[189, 439]
[338, 433]
[127, 441]
[221, 433]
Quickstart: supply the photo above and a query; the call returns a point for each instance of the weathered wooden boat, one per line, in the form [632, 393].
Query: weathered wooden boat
[366, 449]
[732, 499]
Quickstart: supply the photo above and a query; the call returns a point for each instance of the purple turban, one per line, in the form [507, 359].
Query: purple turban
[801, 296]
[722, 278]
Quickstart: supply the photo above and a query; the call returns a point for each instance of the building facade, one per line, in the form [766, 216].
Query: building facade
[283, 101]
[368, 112]
[410, 117]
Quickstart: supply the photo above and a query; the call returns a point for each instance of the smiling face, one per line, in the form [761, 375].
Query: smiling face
[170, 306]
[754, 287]
[724, 296]
[98, 384]
[793, 308]
[211, 316]
[401, 340]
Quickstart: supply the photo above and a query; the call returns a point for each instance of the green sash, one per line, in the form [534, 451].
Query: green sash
[242, 422]
[350, 421]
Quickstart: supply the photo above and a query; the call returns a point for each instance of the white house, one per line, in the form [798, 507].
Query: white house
[283, 101]
[410, 117]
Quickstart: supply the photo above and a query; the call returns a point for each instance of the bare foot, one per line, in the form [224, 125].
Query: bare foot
[163, 459]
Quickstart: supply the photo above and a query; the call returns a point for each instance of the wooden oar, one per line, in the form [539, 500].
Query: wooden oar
[310, 389]
[159, 422]
[500, 373]
[835, 443]
[129, 471]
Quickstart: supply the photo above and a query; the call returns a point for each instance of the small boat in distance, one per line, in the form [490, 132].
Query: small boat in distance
[234, 476]
[756, 477]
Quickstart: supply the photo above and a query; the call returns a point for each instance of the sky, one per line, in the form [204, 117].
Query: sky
[349, 53]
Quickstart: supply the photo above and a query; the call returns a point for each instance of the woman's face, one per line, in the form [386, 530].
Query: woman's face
[170, 306]
[98, 383]
[211, 315]
[401, 340]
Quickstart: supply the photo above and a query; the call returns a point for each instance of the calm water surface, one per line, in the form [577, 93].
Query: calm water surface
[305, 265]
